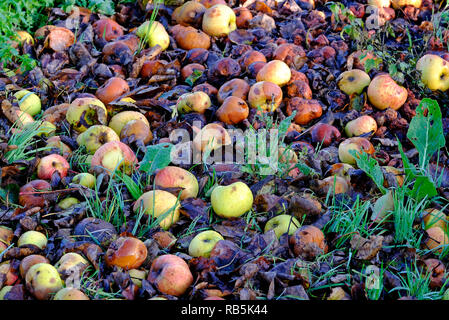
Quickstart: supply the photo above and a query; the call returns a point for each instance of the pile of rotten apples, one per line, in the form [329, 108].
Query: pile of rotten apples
[106, 88]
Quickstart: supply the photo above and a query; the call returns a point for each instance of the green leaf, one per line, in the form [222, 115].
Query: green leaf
[370, 167]
[156, 157]
[284, 125]
[426, 131]
[132, 187]
[196, 74]
[423, 187]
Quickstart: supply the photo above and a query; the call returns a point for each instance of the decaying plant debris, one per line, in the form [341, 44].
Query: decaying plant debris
[361, 185]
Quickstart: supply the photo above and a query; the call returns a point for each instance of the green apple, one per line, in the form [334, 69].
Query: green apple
[203, 243]
[154, 34]
[29, 102]
[361, 125]
[96, 136]
[85, 179]
[46, 129]
[281, 224]
[68, 202]
[232, 201]
[434, 72]
[353, 81]
[33, 237]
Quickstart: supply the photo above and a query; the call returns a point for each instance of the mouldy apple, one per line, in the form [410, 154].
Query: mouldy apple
[85, 179]
[189, 38]
[29, 102]
[33, 237]
[189, 14]
[265, 95]
[114, 155]
[159, 204]
[325, 134]
[126, 252]
[51, 164]
[154, 34]
[29, 196]
[232, 201]
[384, 92]
[193, 102]
[43, 280]
[70, 294]
[308, 242]
[119, 121]
[219, 20]
[281, 224]
[275, 71]
[71, 262]
[107, 29]
[85, 112]
[356, 143]
[56, 143]
[353, 81]
[361, 125]
[434, 72]
[235, 87]
[170, 274]
[8, 273]
[175, 177]
[96, 136]
[203, 243]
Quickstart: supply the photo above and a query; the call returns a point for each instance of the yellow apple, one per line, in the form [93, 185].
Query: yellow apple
[96, 136]
[29, 102]
[434, 72]
[203, 243]
[157, 203]
[353, 81]
[219, 20]
[33, 237]
[154, 34]
[232, 201]
[85, 179]
[281, 224]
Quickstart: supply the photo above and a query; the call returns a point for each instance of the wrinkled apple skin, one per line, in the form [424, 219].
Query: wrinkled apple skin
[70, 262]
[353, 81]
[203, 243]
[281, 224]
[114, 155]
[42, 280]
[96, 136]
[163, 202]
[175, 177]
[434, 72]
[361, 125]
[232, 201]
[171, 275]
[384, 92]
[219, 20]
[154, 34]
